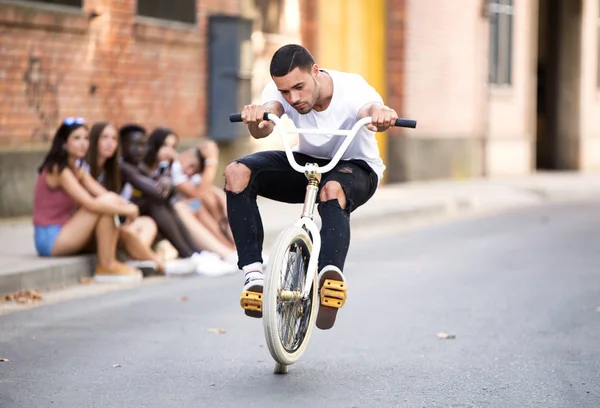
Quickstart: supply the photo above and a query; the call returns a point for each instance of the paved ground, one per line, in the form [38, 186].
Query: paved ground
[519, 290]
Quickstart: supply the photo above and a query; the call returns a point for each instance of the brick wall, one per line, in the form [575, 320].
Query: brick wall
[396, 32]
[309, 25]
[56, 63]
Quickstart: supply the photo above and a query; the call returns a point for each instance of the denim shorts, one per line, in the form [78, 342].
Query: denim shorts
[194, 205]
[45, 237]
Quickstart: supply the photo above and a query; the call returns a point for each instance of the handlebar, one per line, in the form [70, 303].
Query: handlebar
[237, 117]
[406, 123]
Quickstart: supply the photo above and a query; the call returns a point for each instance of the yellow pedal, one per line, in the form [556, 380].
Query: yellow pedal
[334, 284]
[333, 293]
[336, 294]
[251, 301]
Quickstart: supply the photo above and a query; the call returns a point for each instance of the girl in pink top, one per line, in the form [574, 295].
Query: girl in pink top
[71, 208]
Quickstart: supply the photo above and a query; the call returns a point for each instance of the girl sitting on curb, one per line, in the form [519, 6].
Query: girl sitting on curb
[152, 192]
[138, 236]
[162, 144]
[70, 207]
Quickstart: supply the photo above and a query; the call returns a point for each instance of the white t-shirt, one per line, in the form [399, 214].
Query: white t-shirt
[350, 93]
[178, 177]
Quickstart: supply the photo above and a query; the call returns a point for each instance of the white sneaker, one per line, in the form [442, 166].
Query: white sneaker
[180, 267]
[232, 258]
[254, 283]
[199, 257]
[210, 264]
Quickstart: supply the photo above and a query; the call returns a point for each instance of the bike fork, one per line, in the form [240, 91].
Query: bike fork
[306, 220]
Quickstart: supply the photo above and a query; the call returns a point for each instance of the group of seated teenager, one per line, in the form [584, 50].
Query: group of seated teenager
[132, 199]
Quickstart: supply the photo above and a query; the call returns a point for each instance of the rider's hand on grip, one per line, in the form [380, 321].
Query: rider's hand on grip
[254, 114]
[383, 118]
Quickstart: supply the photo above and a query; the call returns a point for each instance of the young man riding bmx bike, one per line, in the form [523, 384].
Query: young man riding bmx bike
[312, 98]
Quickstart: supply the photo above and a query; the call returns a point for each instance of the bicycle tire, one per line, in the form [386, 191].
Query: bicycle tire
[272, 305]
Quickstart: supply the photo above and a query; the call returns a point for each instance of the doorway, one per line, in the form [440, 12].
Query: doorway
[558, 84]
[229, 74]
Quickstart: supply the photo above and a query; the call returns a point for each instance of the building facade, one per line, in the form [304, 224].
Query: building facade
[498, 87]
[184, 64]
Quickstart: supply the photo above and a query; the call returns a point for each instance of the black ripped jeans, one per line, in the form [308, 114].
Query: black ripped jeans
[273, 177]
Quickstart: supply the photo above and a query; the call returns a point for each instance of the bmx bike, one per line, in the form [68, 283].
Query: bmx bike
[290, 295]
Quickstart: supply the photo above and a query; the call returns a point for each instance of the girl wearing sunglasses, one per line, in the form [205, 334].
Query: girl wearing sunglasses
[71, 208]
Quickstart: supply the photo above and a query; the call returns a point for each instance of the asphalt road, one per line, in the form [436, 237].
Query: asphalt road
[520, 291]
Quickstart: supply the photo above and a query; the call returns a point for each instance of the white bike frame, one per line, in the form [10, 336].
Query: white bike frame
[313, 174]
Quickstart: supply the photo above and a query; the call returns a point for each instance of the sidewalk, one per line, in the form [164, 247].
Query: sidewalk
[22, 269]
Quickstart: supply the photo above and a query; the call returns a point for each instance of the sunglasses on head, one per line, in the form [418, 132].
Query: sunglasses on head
[71, 121]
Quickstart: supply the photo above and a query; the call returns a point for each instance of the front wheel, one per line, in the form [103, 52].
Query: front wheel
[288, 320]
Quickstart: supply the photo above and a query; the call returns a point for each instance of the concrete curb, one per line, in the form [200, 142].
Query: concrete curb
[66, 272]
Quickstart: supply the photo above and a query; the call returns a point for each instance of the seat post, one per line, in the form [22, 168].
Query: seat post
[312, 189]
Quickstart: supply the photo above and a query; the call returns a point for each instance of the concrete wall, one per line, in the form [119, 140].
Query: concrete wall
[512, 109]
[18, 172]
[444, 82]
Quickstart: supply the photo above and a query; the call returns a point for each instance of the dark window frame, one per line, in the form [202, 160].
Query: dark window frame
[501, 14]
[162, 10]
[598, 48]
[74, 4]
[270, 15]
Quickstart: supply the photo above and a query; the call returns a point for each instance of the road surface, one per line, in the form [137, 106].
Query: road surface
[517, 294]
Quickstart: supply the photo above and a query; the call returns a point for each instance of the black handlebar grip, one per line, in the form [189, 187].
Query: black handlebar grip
[237, 117]
[407, 123]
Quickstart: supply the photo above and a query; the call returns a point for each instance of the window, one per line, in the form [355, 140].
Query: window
[73, 3]
[598, 48]
[501, 14]
[183, 11]
[270, 11]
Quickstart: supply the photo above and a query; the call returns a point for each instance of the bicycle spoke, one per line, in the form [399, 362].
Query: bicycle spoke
[292, 316]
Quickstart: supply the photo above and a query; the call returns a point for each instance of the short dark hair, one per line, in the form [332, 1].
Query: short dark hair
[130, 128]
[290, 57]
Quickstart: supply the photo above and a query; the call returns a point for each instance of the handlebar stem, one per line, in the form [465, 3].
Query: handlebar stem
[350, 134]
